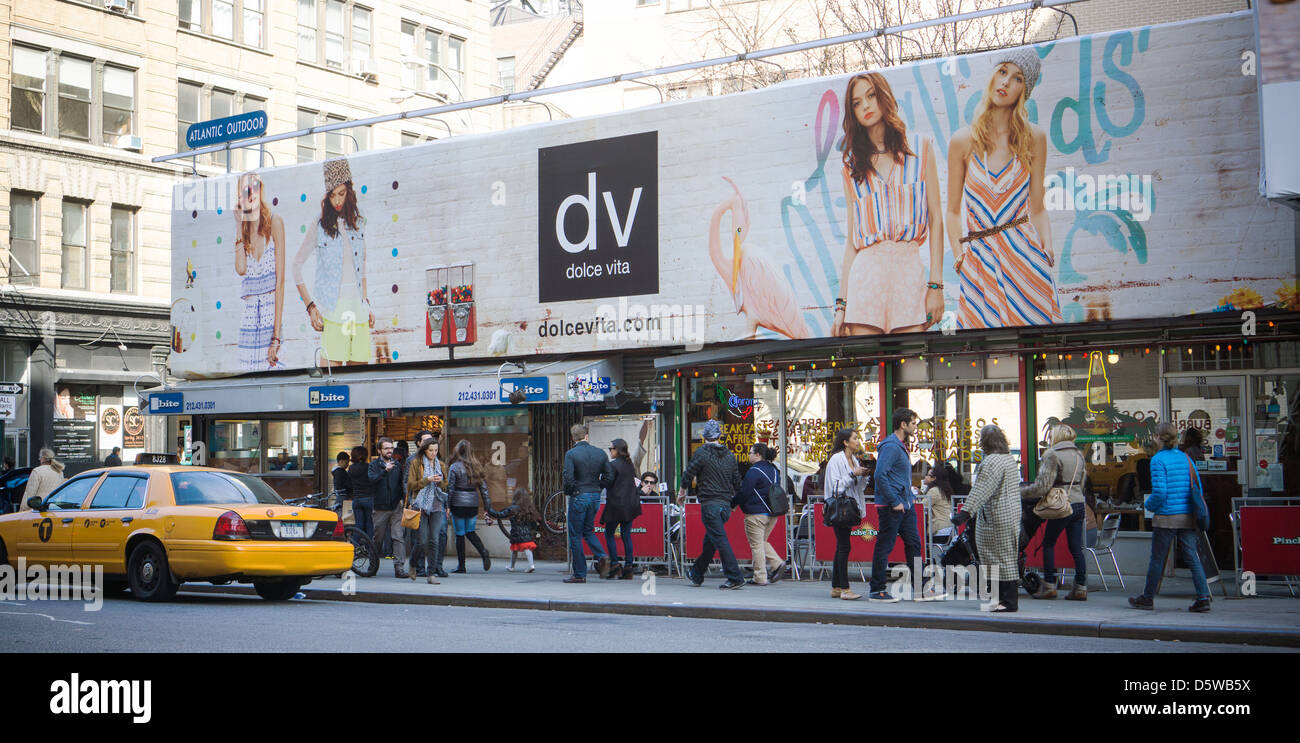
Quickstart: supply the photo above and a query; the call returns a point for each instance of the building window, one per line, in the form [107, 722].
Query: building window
[506, 74]
[307, 30]
[187, 112]
[240, 21]
[222, 105]
[306, 143]
[74, 98]
[345, 37]
[190, 14]
[334, 140]
[119, 103]
[360, 33]
[251, 157]
[409, 139]
[123, 250]
[24, 245]
[74, 245]
[28, 91]
[223, 19]
[424, 47]
[456, 64]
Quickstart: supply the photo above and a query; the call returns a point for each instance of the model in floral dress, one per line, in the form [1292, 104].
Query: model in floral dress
[259, 258]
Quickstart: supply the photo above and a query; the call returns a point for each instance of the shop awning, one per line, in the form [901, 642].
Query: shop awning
[568, 380]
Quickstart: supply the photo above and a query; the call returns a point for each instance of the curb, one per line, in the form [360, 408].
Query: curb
[1108, 630]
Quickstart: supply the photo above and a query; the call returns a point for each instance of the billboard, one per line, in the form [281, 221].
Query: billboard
[1093, 178]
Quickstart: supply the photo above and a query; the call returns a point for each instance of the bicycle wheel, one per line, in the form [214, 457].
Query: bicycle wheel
[554, 513]
[365, 559]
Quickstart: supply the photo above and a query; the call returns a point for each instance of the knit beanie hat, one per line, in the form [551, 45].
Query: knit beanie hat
[1026, 58]
[337, 173]
[712, 430]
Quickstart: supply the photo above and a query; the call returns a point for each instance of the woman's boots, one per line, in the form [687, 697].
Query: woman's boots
[1046, 589]
[1077, 593]
[460, 554]
[482, 552]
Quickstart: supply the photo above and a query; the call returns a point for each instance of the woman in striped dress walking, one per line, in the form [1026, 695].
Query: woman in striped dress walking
[259, 258]
[1004, 261]
[891, 187]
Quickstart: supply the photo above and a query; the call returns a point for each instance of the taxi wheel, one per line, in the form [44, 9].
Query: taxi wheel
[148, 574]
[277, 590]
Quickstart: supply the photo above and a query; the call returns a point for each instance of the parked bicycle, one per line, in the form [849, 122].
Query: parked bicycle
[555, 512]
[365, 556]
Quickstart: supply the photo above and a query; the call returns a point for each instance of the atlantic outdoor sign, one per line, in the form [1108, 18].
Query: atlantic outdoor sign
[228, 129]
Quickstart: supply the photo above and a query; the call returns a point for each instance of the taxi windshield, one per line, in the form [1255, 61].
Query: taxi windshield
[221, 488]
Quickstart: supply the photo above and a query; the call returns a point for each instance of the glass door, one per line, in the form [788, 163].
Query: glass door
[1215, 407]
[1274, 463]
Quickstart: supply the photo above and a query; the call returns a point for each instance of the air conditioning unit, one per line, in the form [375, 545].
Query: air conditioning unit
[365, 68]
[121, 6]
[445, 88]
[129, 142]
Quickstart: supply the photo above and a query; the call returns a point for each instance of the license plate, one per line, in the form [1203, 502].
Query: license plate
[291, 531]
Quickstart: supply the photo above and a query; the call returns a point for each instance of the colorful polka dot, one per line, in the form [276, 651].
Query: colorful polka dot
[394, 288]
[303, 198]
[218, 335]
[192, 336]
[302, 228]
[394, 217]
[394, 356]
[363, 189]
[194, 243]
[275, 201]
[394, 252]
[394, 185]
[218, 304]
[218, 239]
[194, 215]
[218, 210]
[394, 320]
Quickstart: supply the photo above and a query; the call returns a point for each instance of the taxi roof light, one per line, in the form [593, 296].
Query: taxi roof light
[230, 526]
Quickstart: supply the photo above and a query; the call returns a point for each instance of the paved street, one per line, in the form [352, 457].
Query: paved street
[222, 623]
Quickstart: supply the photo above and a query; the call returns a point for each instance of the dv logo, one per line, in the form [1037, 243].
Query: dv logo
[598, 218]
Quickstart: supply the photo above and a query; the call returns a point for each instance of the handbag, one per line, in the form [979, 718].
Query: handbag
[1056, 504]
[410, 517]
[841, 510]
[1198, 499]
[778, 503]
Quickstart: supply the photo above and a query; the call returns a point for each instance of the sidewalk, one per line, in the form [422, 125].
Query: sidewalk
[1272, 618]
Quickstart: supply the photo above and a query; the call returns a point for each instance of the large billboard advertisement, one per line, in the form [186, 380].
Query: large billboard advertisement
[1102, 177]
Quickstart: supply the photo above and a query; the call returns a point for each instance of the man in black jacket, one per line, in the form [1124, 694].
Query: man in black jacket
[718, 480]
[385, 476]
[584, 466]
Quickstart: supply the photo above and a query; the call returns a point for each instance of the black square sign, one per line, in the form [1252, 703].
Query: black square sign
[598, 218]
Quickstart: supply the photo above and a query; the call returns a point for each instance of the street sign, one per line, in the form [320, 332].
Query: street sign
[239, 126]
[8, 407]
[11, 388]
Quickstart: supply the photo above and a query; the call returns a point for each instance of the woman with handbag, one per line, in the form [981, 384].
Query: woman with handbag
[845, 481]
[622, 507]
[425, 494]
[995, 499]
[1180, 514]
[1060, 499]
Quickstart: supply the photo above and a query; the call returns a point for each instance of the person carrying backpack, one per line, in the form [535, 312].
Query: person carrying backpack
[761, 479]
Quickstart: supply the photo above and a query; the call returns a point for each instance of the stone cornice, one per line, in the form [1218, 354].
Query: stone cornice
[83, 318]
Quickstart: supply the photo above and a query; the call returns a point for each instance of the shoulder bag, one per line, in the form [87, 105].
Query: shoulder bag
[1056, 504]
[410, 516]
[1198, 498]
[840, 509]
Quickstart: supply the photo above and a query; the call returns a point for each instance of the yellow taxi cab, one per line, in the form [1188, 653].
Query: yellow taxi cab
[156, 524]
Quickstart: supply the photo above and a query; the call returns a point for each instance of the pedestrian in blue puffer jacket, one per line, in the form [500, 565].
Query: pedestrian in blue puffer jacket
[1176, 499]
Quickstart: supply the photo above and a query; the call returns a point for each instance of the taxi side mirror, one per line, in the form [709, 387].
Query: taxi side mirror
[35, 502]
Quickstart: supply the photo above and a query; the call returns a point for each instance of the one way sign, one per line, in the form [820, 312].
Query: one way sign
[11, 388]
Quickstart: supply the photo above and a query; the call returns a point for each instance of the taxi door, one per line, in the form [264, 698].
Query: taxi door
[104, 526]
[45, 536]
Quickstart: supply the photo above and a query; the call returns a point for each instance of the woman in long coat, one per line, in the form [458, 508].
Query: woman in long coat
[995, 499]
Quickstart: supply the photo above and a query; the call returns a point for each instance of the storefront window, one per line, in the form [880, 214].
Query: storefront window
[235, 445]
[1112, 401]
[500, 439]
[290, 447]
[1277, 447]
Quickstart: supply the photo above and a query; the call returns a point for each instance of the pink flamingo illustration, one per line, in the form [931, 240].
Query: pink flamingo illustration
[758, 288]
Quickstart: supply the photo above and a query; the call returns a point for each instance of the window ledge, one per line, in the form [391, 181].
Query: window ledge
[219, 40]
[130, 16]
[344, 73]
[58, 146]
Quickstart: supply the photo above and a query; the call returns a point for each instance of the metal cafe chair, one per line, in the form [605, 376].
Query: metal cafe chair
[1105, 546]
